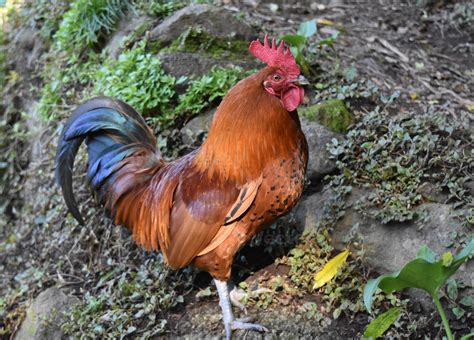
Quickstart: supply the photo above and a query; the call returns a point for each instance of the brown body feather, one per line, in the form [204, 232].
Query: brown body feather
[203, 207]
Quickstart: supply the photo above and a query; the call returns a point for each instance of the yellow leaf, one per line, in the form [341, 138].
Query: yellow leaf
[413, 96]
[325, 22]
[470, 107]
[330, 269]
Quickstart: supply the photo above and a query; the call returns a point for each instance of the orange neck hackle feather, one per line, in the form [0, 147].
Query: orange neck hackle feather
[249, 129]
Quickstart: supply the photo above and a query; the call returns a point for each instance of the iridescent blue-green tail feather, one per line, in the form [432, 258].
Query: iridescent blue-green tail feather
[114, 133]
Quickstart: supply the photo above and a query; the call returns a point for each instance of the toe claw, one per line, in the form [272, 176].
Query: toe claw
[248, 326]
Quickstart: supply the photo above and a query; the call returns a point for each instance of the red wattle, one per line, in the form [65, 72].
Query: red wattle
[292, 98]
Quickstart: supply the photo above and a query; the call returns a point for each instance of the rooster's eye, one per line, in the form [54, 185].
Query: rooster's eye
[276, 77]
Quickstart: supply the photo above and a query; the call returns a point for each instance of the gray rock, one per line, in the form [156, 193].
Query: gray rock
[390, 247]
[318, 136]
[44, 316]
[217, 22]
[194, 64]
[195, 130]
[29, 48]
[126, 26]
[311, 209]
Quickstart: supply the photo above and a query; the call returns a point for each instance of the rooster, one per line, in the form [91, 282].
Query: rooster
[202, 208]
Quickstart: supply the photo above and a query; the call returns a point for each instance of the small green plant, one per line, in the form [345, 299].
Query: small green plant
[300, 45]
[158, 9]
[426, 272]
[138, 79]
[210, 87]
[299, 42]
[341, 295]
[129, 304]
[397, 156]
[87, 21]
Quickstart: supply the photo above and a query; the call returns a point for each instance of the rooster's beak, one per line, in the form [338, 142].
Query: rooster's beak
[301, 80]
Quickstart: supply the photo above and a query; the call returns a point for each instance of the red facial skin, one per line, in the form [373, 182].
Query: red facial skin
[285, 88]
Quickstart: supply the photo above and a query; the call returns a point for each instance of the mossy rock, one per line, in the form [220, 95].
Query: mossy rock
[331, 113]
[199, 41]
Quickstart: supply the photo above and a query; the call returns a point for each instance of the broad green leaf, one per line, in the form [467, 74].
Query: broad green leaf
[468, 336]
[418, 273]
[379, 325]
[330, 269]
[307, 28]
[294, 40]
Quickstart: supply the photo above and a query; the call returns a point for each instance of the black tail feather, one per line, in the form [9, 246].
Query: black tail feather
[113, 131]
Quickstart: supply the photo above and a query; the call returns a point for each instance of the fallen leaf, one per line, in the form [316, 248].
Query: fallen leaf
[325, 22]
[330, 269]
[204, 293]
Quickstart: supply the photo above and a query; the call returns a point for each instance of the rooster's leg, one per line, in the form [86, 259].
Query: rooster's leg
[230, 323]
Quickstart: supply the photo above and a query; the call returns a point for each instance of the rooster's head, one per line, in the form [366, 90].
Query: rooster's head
[285, 80]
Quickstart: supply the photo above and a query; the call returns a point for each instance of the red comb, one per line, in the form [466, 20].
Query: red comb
[273, 55]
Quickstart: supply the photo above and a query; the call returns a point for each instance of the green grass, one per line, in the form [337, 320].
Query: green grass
[87, 22]
[159, 8]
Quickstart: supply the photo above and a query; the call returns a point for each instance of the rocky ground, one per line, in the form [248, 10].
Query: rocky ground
[402, 71]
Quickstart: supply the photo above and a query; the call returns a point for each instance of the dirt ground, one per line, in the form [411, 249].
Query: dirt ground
[424, 51]
[420, 51]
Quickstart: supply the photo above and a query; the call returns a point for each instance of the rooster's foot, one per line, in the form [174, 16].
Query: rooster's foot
[237, 295]
[230, 323]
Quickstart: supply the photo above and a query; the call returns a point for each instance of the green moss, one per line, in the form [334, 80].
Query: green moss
[331, 113]
[198, 41]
